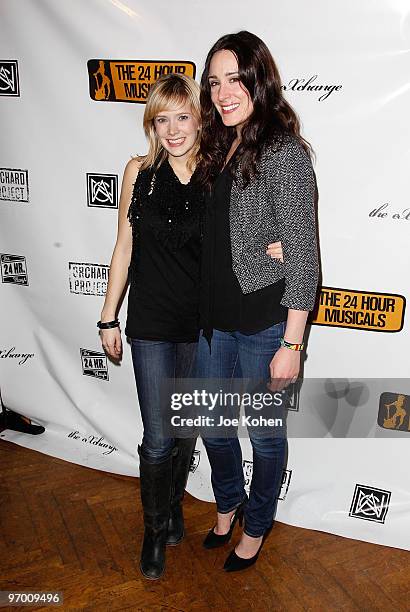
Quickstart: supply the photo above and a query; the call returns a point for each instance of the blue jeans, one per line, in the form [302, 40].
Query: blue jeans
[235, 354]
[154, 361]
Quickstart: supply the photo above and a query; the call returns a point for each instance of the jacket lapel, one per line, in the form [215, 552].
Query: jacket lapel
[236, 221]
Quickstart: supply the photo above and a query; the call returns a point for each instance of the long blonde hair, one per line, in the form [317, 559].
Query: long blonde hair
[169, 91]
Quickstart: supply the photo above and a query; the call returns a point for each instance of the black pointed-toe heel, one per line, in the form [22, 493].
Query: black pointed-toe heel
[234, 563]
[213, 540]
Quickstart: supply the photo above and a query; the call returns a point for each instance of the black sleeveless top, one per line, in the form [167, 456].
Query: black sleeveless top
[164, 272]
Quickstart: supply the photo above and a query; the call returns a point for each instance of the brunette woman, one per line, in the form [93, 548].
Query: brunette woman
[257, 170]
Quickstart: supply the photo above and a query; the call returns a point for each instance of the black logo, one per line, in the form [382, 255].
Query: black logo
[102, 190]
[383, 212]
[370, 504]
[21, 358]
[14, 269]
[88, 278]
[286, 476]
[9, 78]
[394, 411]
[195, 459]
[94, 364]
[247, 472]
[94, 439]
[311, 85]
[14, 184]
[293, 398]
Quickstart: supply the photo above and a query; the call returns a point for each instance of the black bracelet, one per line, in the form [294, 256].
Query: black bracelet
[108, 324]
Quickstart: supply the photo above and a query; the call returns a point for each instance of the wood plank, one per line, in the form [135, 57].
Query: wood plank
[69, 528]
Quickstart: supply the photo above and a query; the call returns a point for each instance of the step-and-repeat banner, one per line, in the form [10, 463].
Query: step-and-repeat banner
[74, 77]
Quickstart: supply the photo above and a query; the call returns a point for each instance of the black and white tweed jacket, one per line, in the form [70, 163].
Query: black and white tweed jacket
[278, 204]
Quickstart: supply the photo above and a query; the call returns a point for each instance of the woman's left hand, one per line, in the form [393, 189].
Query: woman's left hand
[284, 368]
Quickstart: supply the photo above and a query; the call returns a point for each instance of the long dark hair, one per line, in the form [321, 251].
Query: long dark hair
[272, 116]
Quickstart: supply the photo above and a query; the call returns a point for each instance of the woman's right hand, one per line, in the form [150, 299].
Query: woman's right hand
[111, 342]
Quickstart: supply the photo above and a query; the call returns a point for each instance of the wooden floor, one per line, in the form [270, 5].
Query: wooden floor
[77, 530]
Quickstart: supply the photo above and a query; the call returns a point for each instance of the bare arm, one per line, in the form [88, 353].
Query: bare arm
[121, 257]
[295, 326]
[285, 365]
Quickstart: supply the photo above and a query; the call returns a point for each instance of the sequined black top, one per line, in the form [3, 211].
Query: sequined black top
[164, 273]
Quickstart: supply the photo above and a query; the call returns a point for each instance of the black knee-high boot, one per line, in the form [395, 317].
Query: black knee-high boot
[180, 470]
[155, 483]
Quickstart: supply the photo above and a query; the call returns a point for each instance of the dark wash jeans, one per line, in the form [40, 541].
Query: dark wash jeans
[235, 354]
[154, 361]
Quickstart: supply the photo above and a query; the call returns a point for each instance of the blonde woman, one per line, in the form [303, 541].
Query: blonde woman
[158, 246]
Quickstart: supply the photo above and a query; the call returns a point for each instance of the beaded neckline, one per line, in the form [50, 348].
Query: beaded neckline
[173, 209]
[176, 176]
[171, 174]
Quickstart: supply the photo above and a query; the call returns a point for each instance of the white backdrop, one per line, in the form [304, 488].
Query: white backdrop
[51, 364]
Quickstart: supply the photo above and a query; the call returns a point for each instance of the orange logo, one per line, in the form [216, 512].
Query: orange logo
[360, 310]
[394, 411]
[129, 80]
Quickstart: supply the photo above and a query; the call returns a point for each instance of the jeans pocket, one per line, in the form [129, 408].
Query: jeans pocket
[272, 335]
